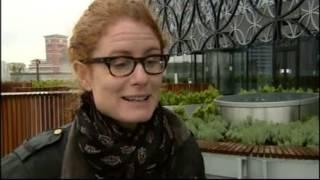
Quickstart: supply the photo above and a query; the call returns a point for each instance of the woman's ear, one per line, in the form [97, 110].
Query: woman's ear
[82, 72]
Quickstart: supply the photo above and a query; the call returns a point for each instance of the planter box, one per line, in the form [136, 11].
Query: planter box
[242, 167]
[275, 107]
[234, 160]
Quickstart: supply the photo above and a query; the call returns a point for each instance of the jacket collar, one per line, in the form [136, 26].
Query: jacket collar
[74, 164]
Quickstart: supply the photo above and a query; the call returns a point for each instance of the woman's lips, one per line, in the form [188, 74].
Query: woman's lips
[138, 98]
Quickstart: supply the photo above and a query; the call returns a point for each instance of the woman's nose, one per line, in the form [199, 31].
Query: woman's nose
[139, 75]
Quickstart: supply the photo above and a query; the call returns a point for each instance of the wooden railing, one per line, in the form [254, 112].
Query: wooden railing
[268, 151]
[12, 86]
[25, 114]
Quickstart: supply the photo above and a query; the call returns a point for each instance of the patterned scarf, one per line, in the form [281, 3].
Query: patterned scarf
[115, 152]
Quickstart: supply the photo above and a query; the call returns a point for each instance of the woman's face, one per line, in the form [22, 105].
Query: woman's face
[132, 98]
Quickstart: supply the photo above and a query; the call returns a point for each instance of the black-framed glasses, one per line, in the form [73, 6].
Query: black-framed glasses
[120, 66]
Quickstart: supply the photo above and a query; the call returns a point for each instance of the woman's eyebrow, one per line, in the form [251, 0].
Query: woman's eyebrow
[121, 52]
[152, 50]
[128, 53]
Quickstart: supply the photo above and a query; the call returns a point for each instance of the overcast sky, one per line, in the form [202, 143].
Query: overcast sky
[24, 23]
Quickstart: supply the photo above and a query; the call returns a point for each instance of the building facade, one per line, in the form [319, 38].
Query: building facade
[5, 73]
[56, 50]
[243, 43]
[56, 56]
[55, 66]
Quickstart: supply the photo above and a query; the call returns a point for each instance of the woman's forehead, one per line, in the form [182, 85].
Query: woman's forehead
[127, 36]
[124, 25]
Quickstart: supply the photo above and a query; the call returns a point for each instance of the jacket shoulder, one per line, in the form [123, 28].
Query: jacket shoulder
[33, 153]
[188, 161]
[181, 131]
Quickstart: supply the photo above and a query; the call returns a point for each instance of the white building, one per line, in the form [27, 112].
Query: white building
[5, 74]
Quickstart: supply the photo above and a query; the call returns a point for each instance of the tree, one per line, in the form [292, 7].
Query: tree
[16, 67]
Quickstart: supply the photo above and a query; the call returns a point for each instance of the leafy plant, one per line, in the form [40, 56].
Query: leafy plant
[184, 97]
[207, 124]
[206, 110]
[52, 83]
[212, 129]
[267, 89]
[180, 112]
[270, 89]
[297, 133]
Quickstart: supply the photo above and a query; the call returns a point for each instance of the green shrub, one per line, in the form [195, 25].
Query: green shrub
[206, 110]
[296, 133]
[271, 89]
[53, 83]
[180, 112]
[281, 134]
[184, 97]
[207, 124]
[212, 129]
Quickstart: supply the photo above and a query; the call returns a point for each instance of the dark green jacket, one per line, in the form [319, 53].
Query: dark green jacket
[53, 154]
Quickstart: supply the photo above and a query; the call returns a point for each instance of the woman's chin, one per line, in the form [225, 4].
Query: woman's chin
[136, 112]
[136, 118]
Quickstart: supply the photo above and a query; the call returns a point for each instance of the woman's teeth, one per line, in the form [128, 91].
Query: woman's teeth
[136, 98]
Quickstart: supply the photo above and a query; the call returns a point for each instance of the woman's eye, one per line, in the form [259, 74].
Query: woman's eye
[152, 62]
[121, 63]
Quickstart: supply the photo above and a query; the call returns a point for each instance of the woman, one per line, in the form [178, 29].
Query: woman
[120, 129]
